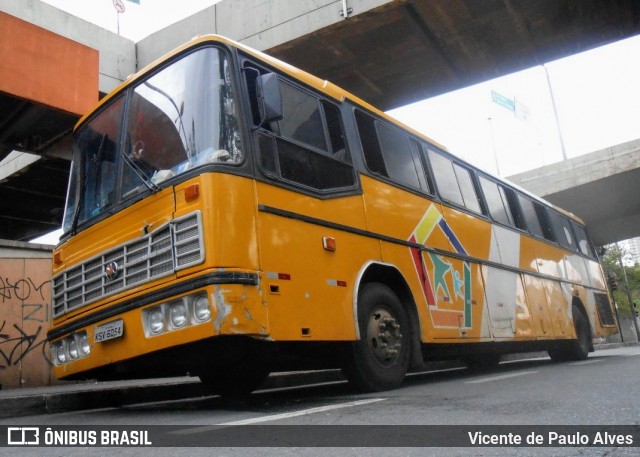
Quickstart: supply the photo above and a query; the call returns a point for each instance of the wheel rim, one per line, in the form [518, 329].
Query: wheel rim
[384, 337]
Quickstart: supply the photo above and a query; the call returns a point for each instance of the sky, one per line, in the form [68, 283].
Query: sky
[596, 95]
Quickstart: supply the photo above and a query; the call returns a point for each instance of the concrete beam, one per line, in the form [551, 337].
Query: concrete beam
[259, 24]
[15, 162]
[581, 170]
[600, 187]
[117, 57]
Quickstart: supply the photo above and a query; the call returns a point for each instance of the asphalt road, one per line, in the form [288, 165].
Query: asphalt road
[603, 390]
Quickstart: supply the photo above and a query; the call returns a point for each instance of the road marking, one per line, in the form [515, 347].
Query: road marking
[275, 417]
[503, 376]
[586, 362]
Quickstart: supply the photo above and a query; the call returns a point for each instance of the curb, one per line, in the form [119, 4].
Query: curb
[105, 396]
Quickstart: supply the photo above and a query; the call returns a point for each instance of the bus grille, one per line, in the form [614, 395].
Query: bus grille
[604, 309]
[172, 247]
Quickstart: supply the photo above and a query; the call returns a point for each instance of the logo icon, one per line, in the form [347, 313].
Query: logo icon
[23, 436]
[112, 270]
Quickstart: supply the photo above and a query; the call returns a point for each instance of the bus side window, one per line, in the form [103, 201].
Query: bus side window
[336, 131]
[454, 182]
[370, 145]
[562, 230]
[582, 240]
[306, 146]
[496, 201]
[545, 222]
[400, 160]
[445, 178]
[302, 120]
[510, 196]
[530, 216]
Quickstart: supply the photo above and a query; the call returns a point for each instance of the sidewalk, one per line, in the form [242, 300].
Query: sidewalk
[112, 394]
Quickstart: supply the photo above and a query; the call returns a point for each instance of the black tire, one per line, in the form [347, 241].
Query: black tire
[235, 382]
[380, 358]
[579, 348]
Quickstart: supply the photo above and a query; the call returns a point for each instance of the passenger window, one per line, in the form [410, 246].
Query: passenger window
[336, 131]
[454, 182]
[496, 201]
[563, 231]
[583, 240]
[445, 178]
[390, 153]
[301, 120]
[530, 216]
[545, 222]
[370, 145]
[467, 189]
[398, 158]
[307, 146]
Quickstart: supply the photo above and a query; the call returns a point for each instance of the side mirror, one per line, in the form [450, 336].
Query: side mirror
[269, 98]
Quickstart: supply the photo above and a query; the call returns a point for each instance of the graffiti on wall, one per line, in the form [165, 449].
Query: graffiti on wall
[24, 321]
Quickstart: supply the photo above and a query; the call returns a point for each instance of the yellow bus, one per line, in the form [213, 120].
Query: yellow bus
[229, 215]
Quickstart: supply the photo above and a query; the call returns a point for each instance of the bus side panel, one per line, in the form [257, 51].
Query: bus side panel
[447, 290]
[457, 309]
[539, 307]
[507, 304]
[541, 257]
[576, 269]
[307, 289]
[559, 299]
[596, 276]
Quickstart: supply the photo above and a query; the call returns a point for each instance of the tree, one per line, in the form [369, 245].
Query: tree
[614, 259]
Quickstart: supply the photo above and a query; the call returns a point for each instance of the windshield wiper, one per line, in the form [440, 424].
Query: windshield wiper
[140, 173]
[96, 165]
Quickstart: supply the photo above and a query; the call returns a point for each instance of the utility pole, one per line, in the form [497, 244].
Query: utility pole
[555, 113]
[493, 143]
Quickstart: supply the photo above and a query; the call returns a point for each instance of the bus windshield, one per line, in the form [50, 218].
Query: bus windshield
[181, 117]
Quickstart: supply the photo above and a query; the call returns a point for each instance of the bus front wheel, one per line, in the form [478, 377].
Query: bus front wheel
[380, 358]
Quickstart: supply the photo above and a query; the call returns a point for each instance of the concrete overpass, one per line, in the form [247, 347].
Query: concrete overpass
[387, 52]
[600, 187]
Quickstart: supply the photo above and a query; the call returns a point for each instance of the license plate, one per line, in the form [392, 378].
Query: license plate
[108, 331]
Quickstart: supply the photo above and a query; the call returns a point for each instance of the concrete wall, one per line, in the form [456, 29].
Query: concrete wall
[261, 24]
[25, 312]
[117, 57]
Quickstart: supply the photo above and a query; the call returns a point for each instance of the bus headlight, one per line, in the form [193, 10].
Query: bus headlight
[83, 343]
[156, 320]
[73, 349]
[61, 355]
[201, 309]
[178, 315]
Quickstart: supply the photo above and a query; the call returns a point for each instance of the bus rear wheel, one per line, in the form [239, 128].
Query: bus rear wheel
[579, 348]
[380, 358]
